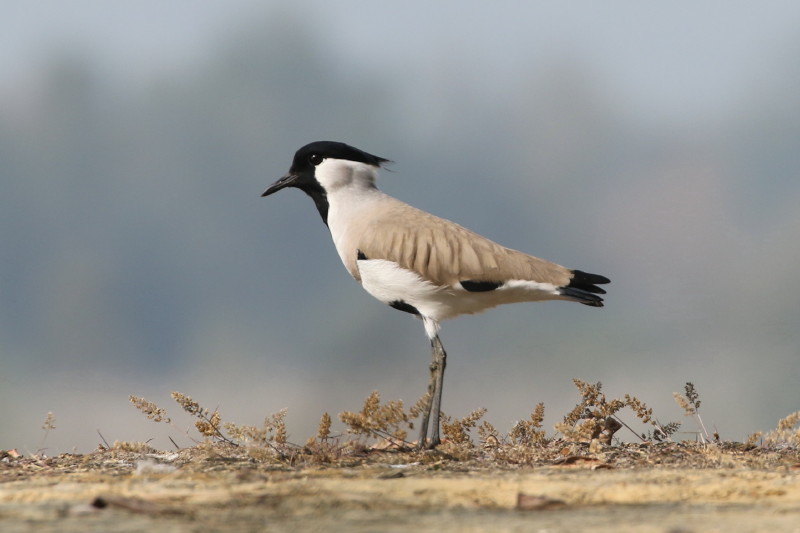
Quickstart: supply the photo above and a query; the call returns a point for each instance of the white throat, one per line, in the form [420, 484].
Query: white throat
[351, 192]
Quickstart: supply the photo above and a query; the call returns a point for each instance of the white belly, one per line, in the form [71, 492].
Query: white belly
[390, 283]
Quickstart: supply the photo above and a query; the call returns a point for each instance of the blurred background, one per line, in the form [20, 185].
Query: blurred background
[657, 145]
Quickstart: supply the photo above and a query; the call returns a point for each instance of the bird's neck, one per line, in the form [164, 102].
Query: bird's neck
[346, 203]
[346, 207]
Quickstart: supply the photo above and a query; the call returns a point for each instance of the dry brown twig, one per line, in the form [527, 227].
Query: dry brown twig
[690, 403]
[208, 423]
[457, 431]
[595, 417]
[381, 421]
[786, 433]
[529, 432]
[48, 425]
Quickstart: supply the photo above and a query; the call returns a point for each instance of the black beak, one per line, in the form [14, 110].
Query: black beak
[287, 181]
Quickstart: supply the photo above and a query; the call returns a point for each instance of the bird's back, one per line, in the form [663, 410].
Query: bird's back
[438, 250]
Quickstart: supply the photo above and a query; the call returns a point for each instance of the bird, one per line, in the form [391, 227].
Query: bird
[419, 263]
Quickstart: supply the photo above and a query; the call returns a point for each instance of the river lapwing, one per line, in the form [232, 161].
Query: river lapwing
[417, 262]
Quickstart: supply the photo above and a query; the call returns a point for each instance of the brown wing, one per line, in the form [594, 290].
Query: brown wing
[444, 252]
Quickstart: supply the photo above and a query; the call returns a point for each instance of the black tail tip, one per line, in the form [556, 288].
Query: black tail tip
[583, 288]
[583, 281]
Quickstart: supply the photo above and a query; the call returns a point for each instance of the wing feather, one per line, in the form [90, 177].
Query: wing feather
[443, 252]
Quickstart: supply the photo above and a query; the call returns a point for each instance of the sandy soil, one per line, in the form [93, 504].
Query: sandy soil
[664, 488]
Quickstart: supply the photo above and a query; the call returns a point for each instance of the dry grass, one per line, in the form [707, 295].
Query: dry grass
[589, 429]
[786, 434]
[690, 403]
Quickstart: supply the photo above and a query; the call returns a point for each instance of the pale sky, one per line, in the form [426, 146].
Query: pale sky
[663, 59]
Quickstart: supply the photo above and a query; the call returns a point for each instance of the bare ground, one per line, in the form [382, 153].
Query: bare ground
[659, 487]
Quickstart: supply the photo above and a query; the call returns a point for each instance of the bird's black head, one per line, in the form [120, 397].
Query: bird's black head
[302, 173]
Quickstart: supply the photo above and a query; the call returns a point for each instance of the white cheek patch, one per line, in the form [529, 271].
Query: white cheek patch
[333, 173]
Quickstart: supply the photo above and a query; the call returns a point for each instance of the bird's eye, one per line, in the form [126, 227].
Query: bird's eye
[315, 159]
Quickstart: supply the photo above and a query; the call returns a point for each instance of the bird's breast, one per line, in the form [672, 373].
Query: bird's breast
[399, 287]
[350, 217]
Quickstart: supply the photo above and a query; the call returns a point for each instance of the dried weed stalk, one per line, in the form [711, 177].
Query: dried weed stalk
[49, 422]
[133, 447]
[595, 417]
[457, 432]
[752, 439]
[209, 423]
[660, 432]
[150, 410]
[529, 432]
[690, 403]
[490, 437]
[48, 425]
[787, 432]
[379, 421]
[415, 411]
[271, 434]
[324, 428]
[324, 448]
[457, 442]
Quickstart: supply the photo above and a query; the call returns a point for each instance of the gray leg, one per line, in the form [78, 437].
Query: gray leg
[440, 356]
[426, 412]
[432, 407]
